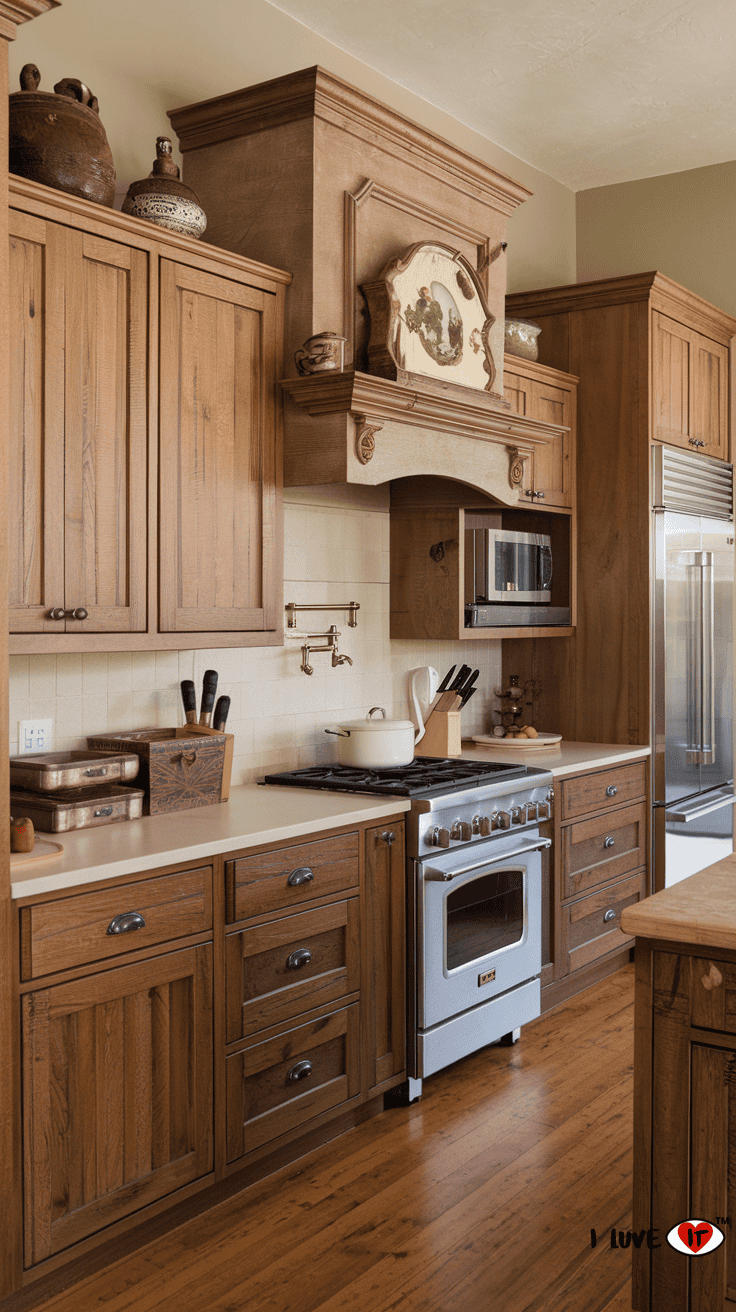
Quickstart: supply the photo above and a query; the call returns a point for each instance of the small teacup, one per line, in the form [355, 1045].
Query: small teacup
[319, 353]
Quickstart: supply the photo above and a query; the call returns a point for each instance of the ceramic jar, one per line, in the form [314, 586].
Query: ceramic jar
[58, 139]
[164, 199]
[520, 338]
[321, 353]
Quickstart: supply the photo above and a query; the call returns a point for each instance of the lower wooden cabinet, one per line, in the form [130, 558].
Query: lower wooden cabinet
[117, 1094]
[384, 992]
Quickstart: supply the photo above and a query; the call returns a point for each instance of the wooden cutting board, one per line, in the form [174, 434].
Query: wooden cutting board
[43, 850]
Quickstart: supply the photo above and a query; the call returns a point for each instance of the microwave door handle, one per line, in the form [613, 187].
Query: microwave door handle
[444, 876]
[546, 578]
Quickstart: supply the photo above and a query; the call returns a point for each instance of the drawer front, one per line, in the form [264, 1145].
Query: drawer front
[73, 931]
[602, 789]
[277, 971]
[713, 993]
[274, 1087]
[291, 876]
[605, 848]
[587, 934]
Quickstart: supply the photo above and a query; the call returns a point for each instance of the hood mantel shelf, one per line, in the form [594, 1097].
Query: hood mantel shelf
[359, 428]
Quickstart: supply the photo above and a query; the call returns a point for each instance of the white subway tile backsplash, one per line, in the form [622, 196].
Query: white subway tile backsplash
[335, 552]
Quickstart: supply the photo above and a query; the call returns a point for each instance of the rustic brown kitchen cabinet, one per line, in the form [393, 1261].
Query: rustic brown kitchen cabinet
[542, 393]
[690, 387]
[145, 453]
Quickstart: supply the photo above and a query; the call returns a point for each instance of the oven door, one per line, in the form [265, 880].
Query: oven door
[480, 924]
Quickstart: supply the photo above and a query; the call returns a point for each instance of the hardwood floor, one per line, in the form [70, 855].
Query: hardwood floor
[479, 1198]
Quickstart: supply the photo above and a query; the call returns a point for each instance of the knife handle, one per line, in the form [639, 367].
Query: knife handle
[219, 718]
[209, 688]
[189, 698]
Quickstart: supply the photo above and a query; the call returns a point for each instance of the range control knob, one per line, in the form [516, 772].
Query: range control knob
[484, 824]
[466, 831]
[517, 815]
[531, 810]
[501, 819]
[544, 810]
[443, 838]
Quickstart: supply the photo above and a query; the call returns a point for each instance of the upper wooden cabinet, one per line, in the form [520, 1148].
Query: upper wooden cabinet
[541, 393]
[689, 388]
[145, 447]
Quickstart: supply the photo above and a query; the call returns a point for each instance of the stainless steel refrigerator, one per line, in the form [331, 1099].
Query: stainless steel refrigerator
[692, 738]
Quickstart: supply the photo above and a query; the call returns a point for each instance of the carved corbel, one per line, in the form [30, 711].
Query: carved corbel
[365, 442]
[516, 465]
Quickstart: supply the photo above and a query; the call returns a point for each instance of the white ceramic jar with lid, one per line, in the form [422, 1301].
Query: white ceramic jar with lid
[375, 744]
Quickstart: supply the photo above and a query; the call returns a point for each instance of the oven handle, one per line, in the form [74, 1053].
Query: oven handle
[446, 875]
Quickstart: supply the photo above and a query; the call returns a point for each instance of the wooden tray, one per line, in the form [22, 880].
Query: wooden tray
[43, 850]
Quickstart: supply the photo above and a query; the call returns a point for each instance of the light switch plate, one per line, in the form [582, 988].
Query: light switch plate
[34, 735]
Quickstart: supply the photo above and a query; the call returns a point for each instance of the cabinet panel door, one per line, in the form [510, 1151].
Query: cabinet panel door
[36, 448]
[553, 466]
[384, 961]
[218, 467]
[710, 418]
[673, 368]
[105, 495]
[117, 1107]
[713, 1172]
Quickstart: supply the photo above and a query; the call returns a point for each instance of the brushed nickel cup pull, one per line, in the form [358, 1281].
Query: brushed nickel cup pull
[610, 915]
[302, 875]
[609, 842]
[126, 922]
[58, 613]
[299, 1072]
[297, 959]
[388, 837]
[611, 790]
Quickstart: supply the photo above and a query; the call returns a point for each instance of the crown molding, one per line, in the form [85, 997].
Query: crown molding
[15, 12]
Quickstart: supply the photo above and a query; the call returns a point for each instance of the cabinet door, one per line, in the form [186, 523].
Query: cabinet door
[690, 388]
[105, 492]
[383, 997]
[713, 1172]
[35, 501]
[117, 1107]
[217, 454]
[553, 465]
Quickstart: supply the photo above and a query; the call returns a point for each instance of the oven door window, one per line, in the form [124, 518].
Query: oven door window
[483, 916]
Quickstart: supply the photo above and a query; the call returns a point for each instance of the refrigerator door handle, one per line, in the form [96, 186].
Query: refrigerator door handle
[688, 813]
[701, 674]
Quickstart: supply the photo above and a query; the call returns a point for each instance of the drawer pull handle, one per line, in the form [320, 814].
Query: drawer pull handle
[301, 876]
[103, 810]
[388, 836]
[95, 774]
[611, 790]
[126, 922]
[610, 915]
[609, 842]
[299, 1072]
[297, 959]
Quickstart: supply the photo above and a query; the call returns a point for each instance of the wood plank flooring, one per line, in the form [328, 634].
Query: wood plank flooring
[479, 1198]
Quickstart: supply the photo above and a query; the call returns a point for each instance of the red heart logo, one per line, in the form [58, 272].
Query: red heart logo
[695, 1236]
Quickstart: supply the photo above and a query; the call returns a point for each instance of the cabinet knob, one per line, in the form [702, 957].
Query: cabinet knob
[299, 1072]
[58, 613]
[79, 613]
[388, 837]
[609, 842]
[126, 922]
[611, 790]
[302, 875]
[301, 957]
[610, 915]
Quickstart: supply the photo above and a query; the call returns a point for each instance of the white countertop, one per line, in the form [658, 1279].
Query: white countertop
[563, 758]
[253, 815]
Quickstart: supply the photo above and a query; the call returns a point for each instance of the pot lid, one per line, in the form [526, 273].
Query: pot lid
[369, 724]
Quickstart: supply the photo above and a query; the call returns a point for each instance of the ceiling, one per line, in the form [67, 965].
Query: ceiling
[591, 92]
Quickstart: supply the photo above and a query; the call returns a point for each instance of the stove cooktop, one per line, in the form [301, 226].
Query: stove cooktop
[425, 776]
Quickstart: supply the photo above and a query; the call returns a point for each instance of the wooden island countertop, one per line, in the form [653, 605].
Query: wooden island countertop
[700, 910]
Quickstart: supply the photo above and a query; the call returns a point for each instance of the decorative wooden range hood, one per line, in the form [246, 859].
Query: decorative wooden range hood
[310, 174]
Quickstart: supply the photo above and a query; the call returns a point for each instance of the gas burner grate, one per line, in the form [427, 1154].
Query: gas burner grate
[423, 777]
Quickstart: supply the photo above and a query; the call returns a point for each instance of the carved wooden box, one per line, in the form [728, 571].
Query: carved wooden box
[178, 772]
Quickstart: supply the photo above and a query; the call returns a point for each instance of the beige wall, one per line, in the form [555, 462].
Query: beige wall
[681, 224]
[142, 58]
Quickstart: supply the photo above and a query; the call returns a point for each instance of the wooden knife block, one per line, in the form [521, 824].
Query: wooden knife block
[442, 736]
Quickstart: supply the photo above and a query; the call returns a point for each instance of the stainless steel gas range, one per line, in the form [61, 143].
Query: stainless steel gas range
[474, 897]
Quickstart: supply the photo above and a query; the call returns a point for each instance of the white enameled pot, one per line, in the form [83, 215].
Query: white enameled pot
[374, 744]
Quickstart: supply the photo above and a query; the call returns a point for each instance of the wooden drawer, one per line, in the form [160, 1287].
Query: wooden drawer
[291, 876]
[713, 993]
[277, 971]
[604, 848]
[265, 1097]
[586, 933]
[603, 789]
[73, 931]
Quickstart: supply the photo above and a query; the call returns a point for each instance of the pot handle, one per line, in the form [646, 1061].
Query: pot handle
[369, 716]
[339, 733]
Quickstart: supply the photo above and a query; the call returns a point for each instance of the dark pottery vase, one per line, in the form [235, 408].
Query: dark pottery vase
[163, 198]
[58, 139]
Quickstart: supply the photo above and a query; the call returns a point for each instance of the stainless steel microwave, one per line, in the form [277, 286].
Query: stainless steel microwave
[502, 566]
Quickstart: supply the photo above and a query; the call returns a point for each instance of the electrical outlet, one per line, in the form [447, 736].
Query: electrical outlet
[34, 735]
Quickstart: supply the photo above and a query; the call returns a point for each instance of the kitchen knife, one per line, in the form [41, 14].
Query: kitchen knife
[189, 698]
[466, 697]
[448, 701]
[209, 688]
[219, 718]
[468, 684]
[445, 684]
